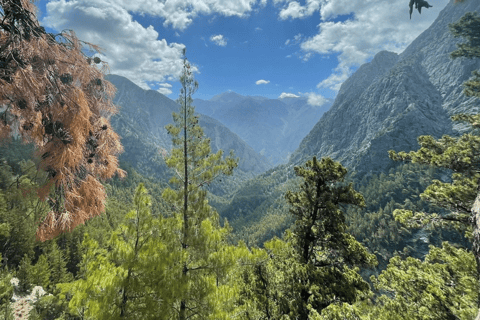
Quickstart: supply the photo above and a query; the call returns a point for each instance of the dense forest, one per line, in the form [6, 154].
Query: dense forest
[312, 241]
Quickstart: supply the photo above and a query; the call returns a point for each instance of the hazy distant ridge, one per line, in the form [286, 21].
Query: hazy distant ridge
[141, 123]
[273, 127]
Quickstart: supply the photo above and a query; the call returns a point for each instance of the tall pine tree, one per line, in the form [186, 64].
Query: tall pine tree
[205, 255]
[328, 255]
[315, 266]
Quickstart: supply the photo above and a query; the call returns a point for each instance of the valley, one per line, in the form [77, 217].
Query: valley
[360, 207]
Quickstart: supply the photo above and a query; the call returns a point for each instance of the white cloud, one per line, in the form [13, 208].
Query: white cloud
[375, 25]
[164, 91]
[219, 40]
[130, 49]
[295, 10]
[316, 100]
[180, 13]
[307, 56]
[262, 82]
[258, 29]
[296, 39]
[177, 13]
[288, 95]
[165, 85]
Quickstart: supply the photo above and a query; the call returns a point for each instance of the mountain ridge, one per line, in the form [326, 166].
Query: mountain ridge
[273, 127]
[141, 123]
[387, 103]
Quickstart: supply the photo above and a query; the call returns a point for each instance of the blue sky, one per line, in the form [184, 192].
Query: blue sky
[272, 48]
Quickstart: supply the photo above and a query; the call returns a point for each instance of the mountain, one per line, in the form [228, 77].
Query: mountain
[387, 103]
[273, 127]
[143, 115]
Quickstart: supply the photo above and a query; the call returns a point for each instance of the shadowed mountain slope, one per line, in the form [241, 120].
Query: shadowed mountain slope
[141, 123]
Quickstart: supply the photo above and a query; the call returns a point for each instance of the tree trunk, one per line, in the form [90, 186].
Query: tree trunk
[183, 306]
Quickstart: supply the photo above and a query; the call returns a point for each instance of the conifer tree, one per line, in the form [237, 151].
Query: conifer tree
[58, 265]
[117, 284]
[6, 292]
[40, 272]
[24, 274]
[53, 95]
[18, 207]
[443, 286]
[459, 154]
[326, 254]
[202, 240]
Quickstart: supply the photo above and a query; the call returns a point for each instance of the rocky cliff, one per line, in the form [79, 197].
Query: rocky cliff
[387, 103]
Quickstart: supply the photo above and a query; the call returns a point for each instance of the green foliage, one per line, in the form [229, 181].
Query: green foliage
[6, 288]
[112, 283]
[205, 258]
[40, 273]
[326, 253]
[443, 286]
[375, 225]
[269, 282]
[6, 293]
[316, 265]
[51, 307]
[57, 264]
[24, 274]
[140, 275]
[20, 208]
[461, 155]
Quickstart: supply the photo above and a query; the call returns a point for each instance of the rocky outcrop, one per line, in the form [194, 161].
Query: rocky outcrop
[387, 103]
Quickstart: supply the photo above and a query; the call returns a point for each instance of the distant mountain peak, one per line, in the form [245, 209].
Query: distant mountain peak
[229, 96]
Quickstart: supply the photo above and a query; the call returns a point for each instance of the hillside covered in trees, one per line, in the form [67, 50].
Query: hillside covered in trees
[321, 237]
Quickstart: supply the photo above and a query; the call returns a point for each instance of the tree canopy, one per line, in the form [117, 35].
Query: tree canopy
[53, 95]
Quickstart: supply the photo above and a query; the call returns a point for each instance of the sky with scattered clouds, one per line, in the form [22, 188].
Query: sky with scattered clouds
[271, 48]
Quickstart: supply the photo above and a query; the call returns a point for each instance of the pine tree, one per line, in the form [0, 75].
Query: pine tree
[202, 239]
[443, 286]
[40, 272]
[18, 206]
[55, 97]
[6, 293]
[117, 284]
[327, 255]
[24, 274]
[461, 155]
[58, 265]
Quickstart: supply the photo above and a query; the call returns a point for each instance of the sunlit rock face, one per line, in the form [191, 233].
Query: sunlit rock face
[387, 103]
